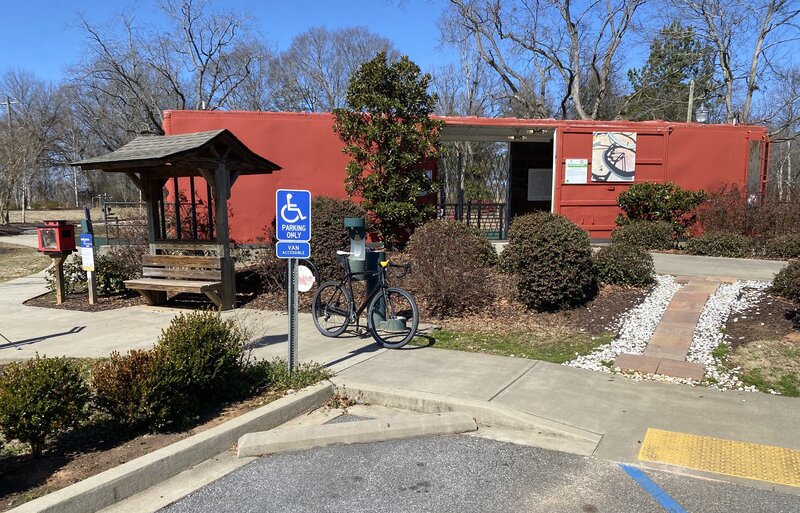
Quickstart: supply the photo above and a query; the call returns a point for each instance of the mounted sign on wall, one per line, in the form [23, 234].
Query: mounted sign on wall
[613, 156]
[577, 171]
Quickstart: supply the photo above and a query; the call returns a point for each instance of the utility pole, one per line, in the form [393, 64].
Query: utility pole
[691, 102]
[8, 103]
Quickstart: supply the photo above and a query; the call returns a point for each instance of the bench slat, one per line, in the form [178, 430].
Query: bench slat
[173, 285]
[187, 274]
[182, 261]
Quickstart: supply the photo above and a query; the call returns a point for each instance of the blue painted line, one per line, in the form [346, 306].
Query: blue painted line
[663, 498]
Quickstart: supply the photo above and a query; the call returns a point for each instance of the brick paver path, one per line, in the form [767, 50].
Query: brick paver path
[667, 349]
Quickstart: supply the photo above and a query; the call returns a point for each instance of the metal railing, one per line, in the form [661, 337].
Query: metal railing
[490, 218]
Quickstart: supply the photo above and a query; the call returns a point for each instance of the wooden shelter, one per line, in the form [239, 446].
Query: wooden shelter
[190, 254]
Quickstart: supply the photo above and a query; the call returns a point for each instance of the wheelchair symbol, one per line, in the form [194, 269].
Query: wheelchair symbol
[290, 207]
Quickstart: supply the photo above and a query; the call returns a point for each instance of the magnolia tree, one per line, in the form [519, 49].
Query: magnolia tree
[388, 131]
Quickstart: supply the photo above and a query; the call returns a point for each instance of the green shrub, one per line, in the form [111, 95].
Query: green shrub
[198, 361]
[785, 247]
[721, 244]
[274, 374]
[787, 282]
[39, 398]
[451, 267]
[660, 202]
[552, 261]
[624, 264]
[121, 385]
[112, 268]
[646, 234]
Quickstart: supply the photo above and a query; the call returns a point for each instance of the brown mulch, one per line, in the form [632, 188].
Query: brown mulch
[79, 301]
[89, 451]
[597, 317]
[771, 317]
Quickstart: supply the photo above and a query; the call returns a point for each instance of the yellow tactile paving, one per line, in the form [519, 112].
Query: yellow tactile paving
[728, 457]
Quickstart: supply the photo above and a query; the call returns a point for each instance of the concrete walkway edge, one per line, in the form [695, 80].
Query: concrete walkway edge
[137, 475]
[357, 432]
[550, 434]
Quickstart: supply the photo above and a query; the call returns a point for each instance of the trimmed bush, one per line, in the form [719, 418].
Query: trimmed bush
[552, 261]
[646, 234]
[785, 247]
[121, 386]
[721, 244]
[198, 361]
[659, 202]
[39, 398]
[451, 262]
[624, 264]
[787, 282]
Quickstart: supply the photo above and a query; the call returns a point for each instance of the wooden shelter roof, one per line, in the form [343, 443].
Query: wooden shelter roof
[182, 154]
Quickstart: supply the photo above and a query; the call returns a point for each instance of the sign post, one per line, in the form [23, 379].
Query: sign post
[293, 231]
[87, 255]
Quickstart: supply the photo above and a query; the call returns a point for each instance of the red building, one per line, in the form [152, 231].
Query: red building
[573, 168]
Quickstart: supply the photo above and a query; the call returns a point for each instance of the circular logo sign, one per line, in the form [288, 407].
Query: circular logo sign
[305, 278]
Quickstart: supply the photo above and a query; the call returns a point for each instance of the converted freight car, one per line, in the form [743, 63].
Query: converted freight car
[573, 168]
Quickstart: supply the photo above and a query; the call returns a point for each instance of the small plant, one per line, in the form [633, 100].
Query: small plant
[112, 268]
[646, 234]
[720, 244]
[784, 247]
[660, 202]
[39, 398]
[787, 282]
[121, 386]
[552, 260]
[451, 267]
[274, 374]
[624, 264]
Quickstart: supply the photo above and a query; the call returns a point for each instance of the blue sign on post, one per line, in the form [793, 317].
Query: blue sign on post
[293, 215]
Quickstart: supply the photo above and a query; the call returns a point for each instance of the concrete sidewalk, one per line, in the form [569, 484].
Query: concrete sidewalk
[617, 409]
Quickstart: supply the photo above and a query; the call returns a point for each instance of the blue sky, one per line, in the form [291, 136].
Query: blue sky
[42, 36]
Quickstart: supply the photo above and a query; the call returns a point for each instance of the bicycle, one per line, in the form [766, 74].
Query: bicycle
[392, 313]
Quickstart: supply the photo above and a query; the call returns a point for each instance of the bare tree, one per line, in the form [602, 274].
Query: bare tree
[522, 39]
[130, 74]
[749, 37]
[27, 137]
[313, 73]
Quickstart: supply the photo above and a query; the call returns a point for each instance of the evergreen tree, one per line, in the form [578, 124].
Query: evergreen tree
[387, 131]
[661, 86]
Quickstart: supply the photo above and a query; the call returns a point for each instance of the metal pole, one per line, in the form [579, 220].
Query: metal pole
[691, 102]
[292, 299]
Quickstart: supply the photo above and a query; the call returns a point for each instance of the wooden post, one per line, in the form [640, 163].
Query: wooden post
[58, 261]
[221, 193]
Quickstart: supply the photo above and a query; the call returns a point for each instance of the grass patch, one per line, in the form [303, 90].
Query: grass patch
[720, 352]
[556, 347]
[18, 261]
[770, 365]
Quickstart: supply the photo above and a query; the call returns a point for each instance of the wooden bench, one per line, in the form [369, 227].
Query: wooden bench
[179, 273]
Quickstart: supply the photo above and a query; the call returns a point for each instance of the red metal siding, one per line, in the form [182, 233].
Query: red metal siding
[304, 145]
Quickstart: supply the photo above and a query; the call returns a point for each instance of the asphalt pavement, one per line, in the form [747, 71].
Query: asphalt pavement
[461, 474]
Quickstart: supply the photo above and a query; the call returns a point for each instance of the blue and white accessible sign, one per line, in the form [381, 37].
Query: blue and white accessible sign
[87, 251]
[293, 223]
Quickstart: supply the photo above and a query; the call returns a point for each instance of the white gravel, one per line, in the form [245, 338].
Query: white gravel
[637, 326]
[731, 301]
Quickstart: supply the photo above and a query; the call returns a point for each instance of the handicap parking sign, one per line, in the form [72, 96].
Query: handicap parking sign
[293, 223]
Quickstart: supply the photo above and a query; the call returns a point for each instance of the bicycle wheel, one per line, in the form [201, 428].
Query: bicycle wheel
[393, 317]
[331, 309]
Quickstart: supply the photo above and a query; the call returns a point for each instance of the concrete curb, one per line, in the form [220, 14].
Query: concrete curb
[137, 475]
[545, 433]
[357, 432]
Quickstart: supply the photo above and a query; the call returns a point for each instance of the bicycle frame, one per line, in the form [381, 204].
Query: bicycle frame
[382, 285]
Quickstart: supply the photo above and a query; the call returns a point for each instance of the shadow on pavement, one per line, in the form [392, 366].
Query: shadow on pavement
[28, 341]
